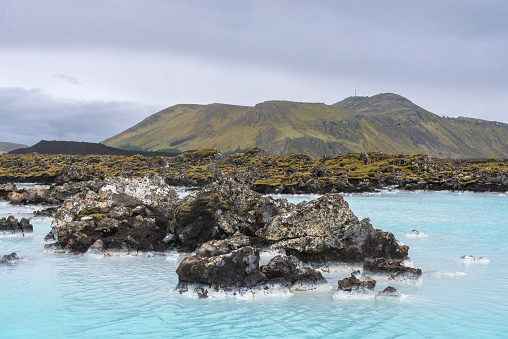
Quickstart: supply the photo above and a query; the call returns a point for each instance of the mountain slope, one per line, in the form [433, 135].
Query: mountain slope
[386, 122]
[9, 146]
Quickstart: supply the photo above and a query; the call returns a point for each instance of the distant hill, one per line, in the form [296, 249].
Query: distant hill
[9, 146]
[385, 122]
[82, 148]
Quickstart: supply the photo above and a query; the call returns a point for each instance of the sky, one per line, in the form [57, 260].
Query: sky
[85, 70]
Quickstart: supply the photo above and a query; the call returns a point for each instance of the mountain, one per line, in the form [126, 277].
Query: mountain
[82, 148]
[385, 122]
[9, 146]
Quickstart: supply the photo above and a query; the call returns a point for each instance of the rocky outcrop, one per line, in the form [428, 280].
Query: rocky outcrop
[354, 172]
[9, 258]
[394, 268]
[68, 189]
[232, 270]
[227, 224]
[6, 189]
[239, 269]
[46, 212]
[353, 285]
[32, 196]
[11, 225]
[150, 190]
[289, 272]
[121, 217]
[217, 247]
[221, 209]
[327, 230]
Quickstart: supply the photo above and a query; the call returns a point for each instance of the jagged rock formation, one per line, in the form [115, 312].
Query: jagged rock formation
[120, 217]
[236, 222]
[227, 224]
[222, 209]
[325, 229]
[239, 268]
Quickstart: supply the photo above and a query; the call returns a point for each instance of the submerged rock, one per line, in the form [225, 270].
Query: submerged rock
[11, 225]
[9, 258]
[326, 230]
[470, 259]
[354, 285]
[416, 234]
[388, 293]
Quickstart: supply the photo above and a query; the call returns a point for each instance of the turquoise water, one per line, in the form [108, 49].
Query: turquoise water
[63, 296]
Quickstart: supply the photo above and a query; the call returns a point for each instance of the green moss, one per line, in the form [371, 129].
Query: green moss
[358, 175]
[467, 181]
[91, 212]
[189, 211]
[254, 150]
[284, 164]
[205, 152]
[268, 182]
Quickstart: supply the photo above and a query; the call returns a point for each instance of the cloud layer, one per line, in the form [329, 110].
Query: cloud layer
[29, 116]
[448, 57]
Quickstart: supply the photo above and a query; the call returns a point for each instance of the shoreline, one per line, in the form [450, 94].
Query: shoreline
[296, 174]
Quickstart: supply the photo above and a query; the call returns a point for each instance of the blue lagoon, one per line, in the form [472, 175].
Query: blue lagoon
[48, 295]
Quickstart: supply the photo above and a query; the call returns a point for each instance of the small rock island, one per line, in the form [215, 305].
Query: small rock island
[225, 226]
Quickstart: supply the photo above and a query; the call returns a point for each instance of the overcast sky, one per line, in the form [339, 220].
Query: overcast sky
[85, 70]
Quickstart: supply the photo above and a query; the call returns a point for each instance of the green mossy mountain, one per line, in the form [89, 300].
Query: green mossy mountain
[386, 123]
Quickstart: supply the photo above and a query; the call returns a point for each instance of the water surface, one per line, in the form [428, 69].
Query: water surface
[64, 296]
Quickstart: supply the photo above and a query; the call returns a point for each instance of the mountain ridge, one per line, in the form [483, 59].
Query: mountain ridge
[385, 122]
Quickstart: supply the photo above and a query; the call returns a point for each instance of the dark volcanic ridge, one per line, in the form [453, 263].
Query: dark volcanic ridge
[82, 148]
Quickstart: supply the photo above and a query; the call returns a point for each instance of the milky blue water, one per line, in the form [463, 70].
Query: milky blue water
[51, 295]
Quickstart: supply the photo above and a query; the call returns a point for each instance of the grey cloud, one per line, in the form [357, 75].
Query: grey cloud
[454, 49]
[30, 115]
[68, 78]
[379, 38]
